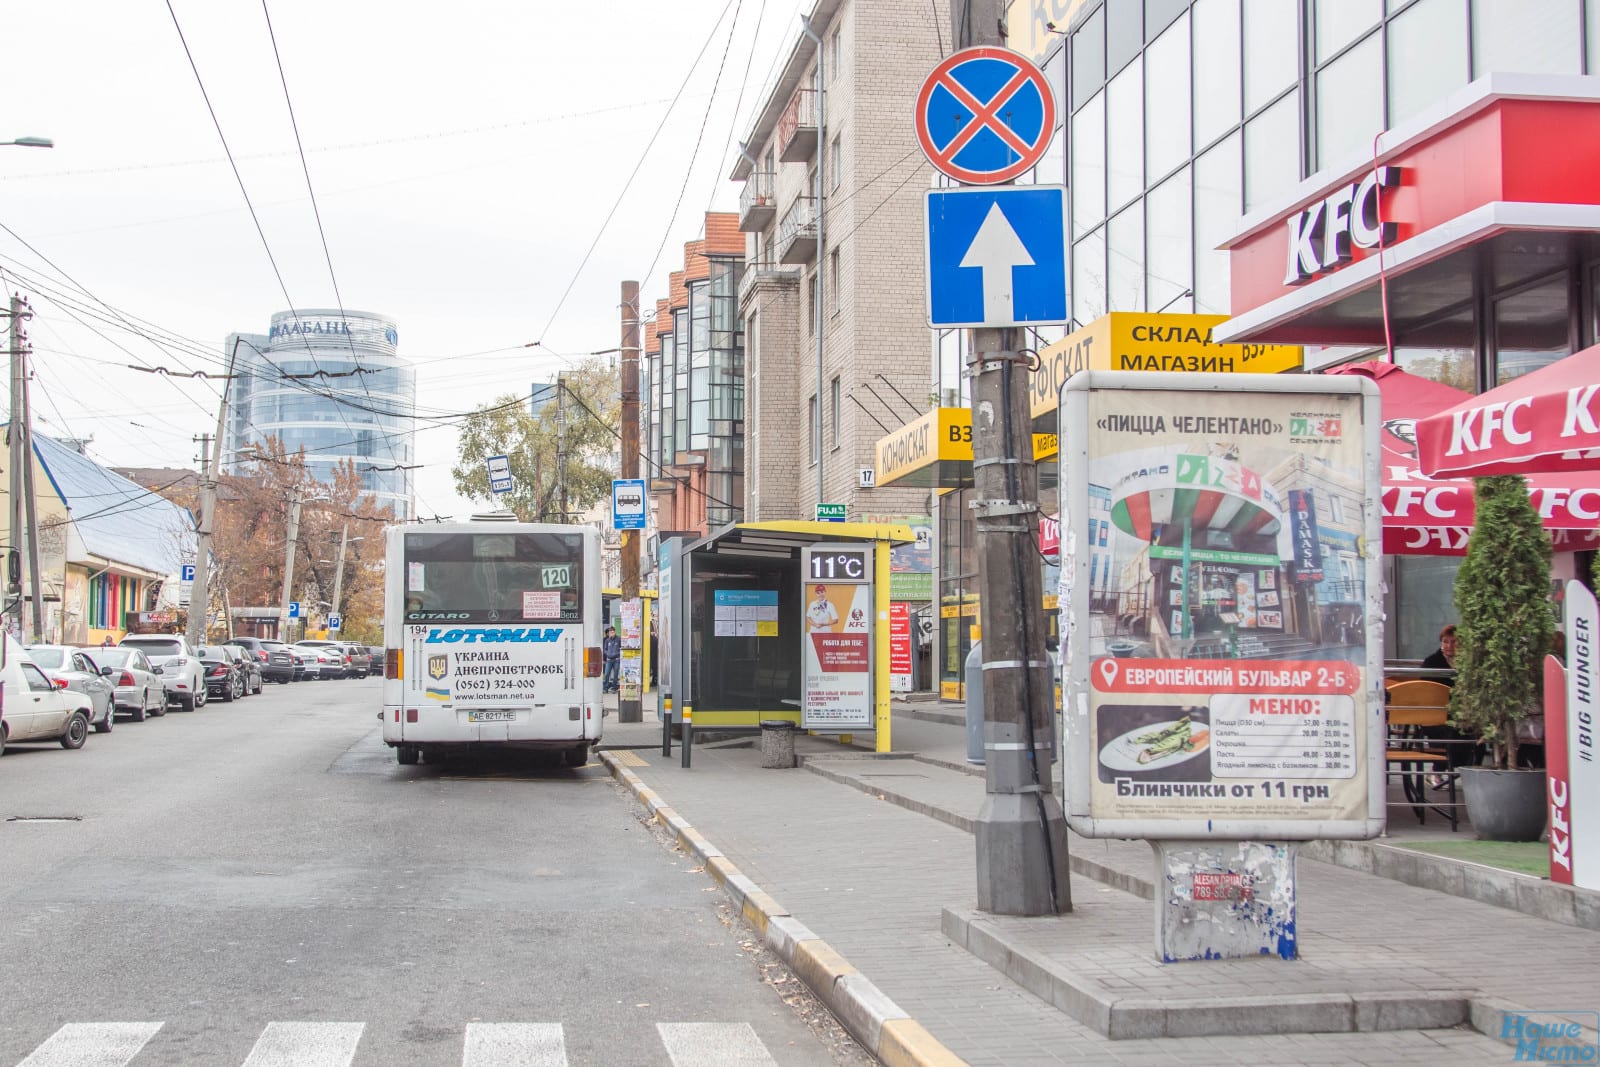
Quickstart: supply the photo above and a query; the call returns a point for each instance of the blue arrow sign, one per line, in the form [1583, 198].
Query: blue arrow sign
[997, 257]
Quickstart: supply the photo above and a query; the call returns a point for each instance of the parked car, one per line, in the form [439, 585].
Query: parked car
[329, 658]
[224, 673]
[376, 652]
[249, 666]
[360, 660]
[34, 708]
[278, 662]
[179, 669]
[139, 690]
[82, 675]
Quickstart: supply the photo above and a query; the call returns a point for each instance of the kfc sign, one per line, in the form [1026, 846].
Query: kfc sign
[1321, 235]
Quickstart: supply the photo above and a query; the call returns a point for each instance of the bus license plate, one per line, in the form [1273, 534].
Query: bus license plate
[491, 716]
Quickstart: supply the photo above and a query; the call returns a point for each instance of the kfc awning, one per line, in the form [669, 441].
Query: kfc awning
[1546, 421]
[1434, 516]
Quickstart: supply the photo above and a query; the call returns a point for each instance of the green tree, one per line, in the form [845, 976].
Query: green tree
[1503, 601]
[506, 427]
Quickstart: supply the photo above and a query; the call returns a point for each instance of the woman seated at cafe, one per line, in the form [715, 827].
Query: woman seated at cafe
[1443, 659]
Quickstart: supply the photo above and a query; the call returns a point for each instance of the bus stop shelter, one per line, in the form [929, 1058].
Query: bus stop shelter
[726, 668]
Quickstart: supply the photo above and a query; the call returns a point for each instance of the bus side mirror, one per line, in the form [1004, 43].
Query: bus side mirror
[14, 567]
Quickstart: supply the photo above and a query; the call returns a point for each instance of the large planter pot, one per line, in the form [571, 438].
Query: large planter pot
[1505, 805]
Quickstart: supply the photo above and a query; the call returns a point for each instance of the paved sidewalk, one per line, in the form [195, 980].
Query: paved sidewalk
[872, 879]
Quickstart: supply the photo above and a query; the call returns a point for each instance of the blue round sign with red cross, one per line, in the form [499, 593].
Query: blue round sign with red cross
[985, 115]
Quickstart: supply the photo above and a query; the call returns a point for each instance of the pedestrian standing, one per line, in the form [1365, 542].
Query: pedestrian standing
[611, 649]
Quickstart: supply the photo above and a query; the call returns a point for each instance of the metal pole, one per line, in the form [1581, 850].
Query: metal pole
[630, 705]
[561, 442]
[28, 501]
[338, 571]
[14, 438]
[211, 464]
[288, 562]
[1021, 831]
[822, 149]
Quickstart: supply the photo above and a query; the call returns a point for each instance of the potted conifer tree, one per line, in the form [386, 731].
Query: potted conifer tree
[1502, 596]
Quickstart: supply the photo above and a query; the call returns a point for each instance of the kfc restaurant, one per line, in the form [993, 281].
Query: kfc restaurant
[1461, 254]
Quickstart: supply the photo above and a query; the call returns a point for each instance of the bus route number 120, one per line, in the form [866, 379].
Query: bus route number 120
[555, 576]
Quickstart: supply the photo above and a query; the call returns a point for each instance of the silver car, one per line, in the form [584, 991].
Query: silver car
[82, 675]
[139, 691]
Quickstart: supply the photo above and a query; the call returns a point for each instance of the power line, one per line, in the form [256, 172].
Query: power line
[635, 173]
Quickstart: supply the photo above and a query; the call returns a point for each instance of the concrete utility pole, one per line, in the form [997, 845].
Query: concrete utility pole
[14, 463]
[1021, 831]
[210, 470]
[629, 705]
[338, 571]
[288, 562]
[24, 520]
[561, 443]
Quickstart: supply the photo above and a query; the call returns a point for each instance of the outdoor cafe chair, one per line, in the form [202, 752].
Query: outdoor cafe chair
[1414, 704]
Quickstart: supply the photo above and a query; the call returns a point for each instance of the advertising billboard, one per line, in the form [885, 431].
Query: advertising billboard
[838, 650]
[1214, 687]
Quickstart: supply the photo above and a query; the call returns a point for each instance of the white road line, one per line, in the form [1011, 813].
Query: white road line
[306, 1045]
[714, 1045]
[92, 1045]
[514, 1045]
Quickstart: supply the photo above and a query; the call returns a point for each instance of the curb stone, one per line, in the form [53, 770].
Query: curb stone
[883, 1027]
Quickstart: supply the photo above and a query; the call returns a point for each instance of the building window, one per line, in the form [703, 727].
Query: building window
[1336, 509]
[1216, 72]
[811, 303]
[834, 289]
[1427, 56]
[835, 403]
[835, 54]
[1350, 101]
[1089, 166]
[1530, 37]
[1272, 151]
[813, 431]
[836, 164]
[1271, 52]
[1125, 264]
[1125, 136]
[1166, 128]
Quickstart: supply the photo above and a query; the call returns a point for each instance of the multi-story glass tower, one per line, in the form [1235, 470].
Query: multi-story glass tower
[331, 383]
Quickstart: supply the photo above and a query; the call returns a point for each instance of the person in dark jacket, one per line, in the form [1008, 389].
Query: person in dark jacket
[611, 651]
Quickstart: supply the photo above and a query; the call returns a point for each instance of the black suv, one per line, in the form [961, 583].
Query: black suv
[276, 661]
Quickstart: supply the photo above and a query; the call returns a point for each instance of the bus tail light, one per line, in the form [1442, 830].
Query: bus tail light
[591, 663]
[393, 662]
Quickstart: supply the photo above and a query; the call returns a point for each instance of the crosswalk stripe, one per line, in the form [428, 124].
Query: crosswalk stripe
[514, 1045]
[306, 1045]
[714, 1045]
[92, 1045]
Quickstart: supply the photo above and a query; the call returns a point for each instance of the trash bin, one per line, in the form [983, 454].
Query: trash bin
[975, 751]
[777, 743]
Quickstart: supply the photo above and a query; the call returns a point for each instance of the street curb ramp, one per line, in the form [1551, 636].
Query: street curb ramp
[882, 1026]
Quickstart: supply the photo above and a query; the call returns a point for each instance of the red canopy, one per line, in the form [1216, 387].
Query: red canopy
[1433, 516]
[1546, 421]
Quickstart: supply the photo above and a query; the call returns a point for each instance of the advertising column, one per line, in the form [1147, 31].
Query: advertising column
[838, 638]
[1219, 684]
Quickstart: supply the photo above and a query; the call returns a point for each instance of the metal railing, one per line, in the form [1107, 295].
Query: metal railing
[801, 113]
[799, 224]
[758, 193]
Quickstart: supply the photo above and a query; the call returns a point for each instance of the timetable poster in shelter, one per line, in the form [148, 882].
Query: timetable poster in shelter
[838, 657]
[1222, 673]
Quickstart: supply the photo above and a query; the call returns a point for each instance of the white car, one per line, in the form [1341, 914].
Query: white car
[139, 690]
[181, 674]
[33, 708]
[322, 661]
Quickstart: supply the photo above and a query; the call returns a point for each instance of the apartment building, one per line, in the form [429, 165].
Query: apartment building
[692, 386]
[832, 299]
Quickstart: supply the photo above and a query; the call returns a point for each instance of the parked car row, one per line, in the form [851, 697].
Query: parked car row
[61, 692]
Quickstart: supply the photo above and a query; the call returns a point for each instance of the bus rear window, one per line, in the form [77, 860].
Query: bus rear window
[494, 577]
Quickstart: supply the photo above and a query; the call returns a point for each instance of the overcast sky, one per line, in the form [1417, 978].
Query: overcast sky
[464, 157]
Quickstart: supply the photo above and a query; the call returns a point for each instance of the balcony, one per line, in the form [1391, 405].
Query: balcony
[797, 128]
[757, 204]
[797, 233]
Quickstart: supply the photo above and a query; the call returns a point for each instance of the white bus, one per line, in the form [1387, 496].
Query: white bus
[492, 635]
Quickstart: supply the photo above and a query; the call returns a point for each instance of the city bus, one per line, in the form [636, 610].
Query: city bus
[492, 635]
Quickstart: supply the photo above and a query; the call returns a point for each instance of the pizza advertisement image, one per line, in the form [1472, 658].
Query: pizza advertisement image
[1222, 681]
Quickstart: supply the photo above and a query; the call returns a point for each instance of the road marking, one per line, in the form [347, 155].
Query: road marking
[514, 1045]
[714, 1045]
[92, 1045]
[306, 1045]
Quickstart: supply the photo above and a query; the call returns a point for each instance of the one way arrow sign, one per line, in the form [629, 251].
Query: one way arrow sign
[997, 256]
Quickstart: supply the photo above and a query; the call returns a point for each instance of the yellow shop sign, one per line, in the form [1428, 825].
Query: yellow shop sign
[1136, 341]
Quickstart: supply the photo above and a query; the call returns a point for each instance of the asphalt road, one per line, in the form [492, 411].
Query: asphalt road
[237, 873]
